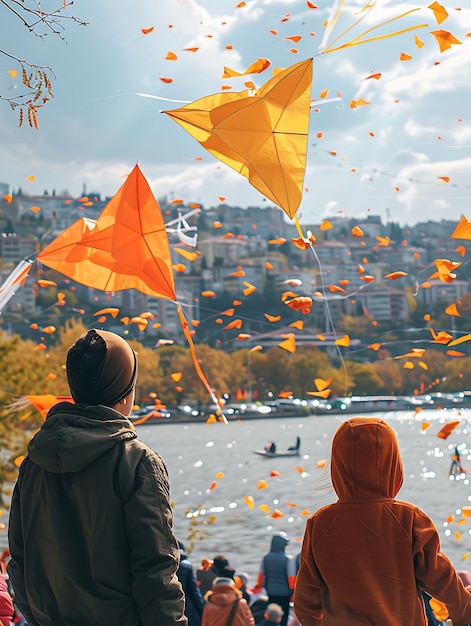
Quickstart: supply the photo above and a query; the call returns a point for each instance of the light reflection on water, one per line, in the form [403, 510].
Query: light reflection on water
[196, 453]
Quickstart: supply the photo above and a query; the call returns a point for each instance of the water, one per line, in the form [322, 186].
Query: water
[211, 511]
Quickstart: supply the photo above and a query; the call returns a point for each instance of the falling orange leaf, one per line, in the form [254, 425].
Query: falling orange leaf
[439, 12]
[249, 289]
[289, 344]
[445, 39]
[452, 310]
[447, 429]
[249, 501]
[354, 104]
[357, 232]
[396, 275]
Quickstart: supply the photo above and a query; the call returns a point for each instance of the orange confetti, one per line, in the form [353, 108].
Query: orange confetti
[249, 289]
[298, 324]
[452, 310]
[272, 318]
[396, 275]
[439, 12]
[343, 341]
[376, 76]
[234, 324]
[274, 473]
[278, 241]
[146, 31]
[249, 501]
[179, 267]
[264, 508]
[277, 514]
[262, 484]
[289, 344]
[357, 232]
[405, 57]
[326, 225]
[171, 56]
[447, 429]
[446, 179]
[299, 469]
[208, 294]
[176, 377]
[213, 485]
[49, 330]
[322, 463]
[445, 39]
[354, 104]
[166, 79]
[189, 256]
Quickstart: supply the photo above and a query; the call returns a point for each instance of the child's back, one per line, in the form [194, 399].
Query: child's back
[365, 557]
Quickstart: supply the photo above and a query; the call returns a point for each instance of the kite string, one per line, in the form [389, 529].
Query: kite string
[326, 302]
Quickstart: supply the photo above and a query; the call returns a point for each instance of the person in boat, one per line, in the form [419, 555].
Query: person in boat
[271, 447]
[295, 448]
[456, 468]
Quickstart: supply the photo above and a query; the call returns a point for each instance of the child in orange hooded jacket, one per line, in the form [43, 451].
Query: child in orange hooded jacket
[365, 558]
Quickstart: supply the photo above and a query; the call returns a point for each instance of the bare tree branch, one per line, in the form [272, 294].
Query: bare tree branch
[36, 79]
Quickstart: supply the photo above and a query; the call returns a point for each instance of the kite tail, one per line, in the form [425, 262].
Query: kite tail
[199, 371]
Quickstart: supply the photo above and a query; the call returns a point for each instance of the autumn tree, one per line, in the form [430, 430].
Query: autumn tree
[36, 78]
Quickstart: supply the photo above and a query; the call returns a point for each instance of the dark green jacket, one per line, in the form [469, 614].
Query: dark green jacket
[90, 528]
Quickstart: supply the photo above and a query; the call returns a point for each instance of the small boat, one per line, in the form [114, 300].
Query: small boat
[270, 454]
[270, 450]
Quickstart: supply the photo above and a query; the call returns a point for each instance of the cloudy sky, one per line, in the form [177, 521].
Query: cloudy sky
[389, 155]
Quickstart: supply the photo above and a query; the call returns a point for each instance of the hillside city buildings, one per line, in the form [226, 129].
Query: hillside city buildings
[237, 247]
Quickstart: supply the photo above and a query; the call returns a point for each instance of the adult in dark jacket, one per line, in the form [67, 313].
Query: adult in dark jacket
[194, 601]
[278, 574]
[90, 529]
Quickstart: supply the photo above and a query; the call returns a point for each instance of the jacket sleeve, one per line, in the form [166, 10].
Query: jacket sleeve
[6, 605]
[435, 572]
[246, 613]
[154, 552]
[308, 590]
[193, 591]
[15, 567]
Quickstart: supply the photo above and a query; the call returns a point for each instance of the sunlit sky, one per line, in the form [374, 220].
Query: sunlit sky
[389, 154]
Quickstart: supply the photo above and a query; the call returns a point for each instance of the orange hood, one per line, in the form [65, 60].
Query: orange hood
[366, 462]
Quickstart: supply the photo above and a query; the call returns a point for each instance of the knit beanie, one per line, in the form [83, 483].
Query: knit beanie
[101, 368]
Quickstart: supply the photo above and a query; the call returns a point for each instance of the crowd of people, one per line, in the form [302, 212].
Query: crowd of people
[91, 539]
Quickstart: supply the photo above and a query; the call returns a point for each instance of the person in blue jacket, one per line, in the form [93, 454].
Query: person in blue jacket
[278, 574]
[194, 601]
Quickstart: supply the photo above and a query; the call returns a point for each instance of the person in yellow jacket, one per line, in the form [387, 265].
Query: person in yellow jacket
[366, 558]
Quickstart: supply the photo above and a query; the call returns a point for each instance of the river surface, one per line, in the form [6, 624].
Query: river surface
[214, 473]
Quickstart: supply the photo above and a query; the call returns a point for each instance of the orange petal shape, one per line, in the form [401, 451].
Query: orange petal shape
[208, 294]
[277, 514]
[289, 344]
[343, 341]
[452, 310]
[447, 429]
[249, 501]
[109, 310]
[272, 318]
[264, 508]
[262, 484]
[396, 275]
